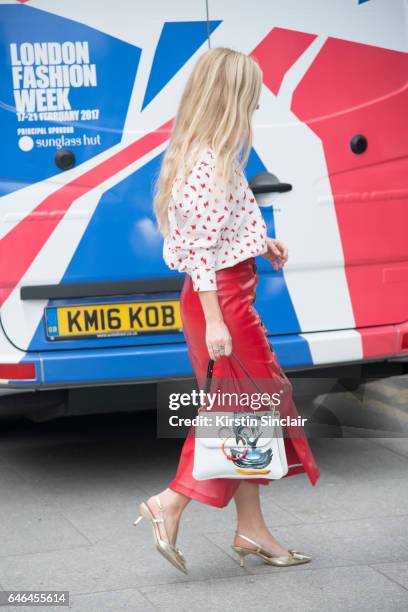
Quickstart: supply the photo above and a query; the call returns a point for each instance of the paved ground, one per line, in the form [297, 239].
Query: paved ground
[70, 491]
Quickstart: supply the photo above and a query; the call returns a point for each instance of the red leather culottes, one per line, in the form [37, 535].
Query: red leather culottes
[236, 288]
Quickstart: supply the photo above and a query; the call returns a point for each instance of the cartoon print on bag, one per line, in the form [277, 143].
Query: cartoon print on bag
[248, 457]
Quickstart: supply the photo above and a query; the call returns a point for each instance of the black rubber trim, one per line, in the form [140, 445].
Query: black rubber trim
[114, 288]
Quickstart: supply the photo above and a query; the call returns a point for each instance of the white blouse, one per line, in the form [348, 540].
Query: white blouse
[211, 228]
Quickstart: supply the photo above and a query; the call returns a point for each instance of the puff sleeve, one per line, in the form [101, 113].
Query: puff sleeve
[203, 214]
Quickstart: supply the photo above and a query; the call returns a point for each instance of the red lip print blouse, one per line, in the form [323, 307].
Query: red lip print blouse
[211, 227]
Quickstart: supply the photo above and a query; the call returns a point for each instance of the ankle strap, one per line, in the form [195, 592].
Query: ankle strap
[248, 539]
[159, 502]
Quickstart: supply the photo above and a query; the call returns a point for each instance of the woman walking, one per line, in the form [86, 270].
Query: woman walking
[213, 230]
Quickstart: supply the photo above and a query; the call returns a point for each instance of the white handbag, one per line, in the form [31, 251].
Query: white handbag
[239, 444]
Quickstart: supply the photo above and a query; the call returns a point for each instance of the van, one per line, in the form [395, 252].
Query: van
[89, 93]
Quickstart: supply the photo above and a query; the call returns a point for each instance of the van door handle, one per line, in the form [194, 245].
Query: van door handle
[271, 188]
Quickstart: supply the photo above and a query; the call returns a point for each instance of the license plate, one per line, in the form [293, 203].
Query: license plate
[117, 319]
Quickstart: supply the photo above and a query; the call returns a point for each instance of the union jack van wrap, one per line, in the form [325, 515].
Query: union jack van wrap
[89, 91]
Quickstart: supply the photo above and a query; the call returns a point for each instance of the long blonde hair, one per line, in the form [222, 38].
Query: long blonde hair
[215, 111]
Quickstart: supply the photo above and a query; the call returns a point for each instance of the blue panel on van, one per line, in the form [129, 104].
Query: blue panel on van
[31, 45]
[177, 43]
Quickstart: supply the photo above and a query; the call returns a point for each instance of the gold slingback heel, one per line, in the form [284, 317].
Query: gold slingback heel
[170, 552]
[294, 558]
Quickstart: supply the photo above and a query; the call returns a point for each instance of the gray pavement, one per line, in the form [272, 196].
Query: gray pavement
[70, 491]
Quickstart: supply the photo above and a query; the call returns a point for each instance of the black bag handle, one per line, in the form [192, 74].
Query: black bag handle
[211, 367]
[208, 378]
[285, 380]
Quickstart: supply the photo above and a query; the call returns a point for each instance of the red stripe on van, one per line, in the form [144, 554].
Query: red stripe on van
[278, 51]
[357, 89]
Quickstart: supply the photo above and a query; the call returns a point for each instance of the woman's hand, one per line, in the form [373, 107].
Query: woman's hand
[218, 339]
[277, 253]
[217, 336]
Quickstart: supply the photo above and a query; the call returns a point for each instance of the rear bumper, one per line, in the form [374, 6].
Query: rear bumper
[104, 366]
[128, 365]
